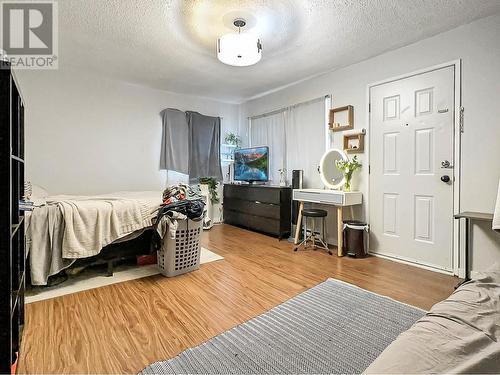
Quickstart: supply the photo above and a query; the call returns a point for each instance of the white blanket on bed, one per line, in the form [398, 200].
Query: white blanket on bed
[44, 235]
[496, 214]
[71, 227]
[90, 223]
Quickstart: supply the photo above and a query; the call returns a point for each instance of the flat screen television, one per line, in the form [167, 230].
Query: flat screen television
[251, 164]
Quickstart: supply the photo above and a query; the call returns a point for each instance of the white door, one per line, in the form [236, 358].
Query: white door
[411, 144]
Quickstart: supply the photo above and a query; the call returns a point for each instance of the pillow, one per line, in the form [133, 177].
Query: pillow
[38, 192]
[38, 195]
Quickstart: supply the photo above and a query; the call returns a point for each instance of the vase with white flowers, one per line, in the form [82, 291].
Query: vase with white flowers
[347, 167]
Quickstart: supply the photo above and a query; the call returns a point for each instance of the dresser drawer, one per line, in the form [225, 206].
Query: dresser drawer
[318, 196]
[249, 193]
[253, 208]
[261, 224]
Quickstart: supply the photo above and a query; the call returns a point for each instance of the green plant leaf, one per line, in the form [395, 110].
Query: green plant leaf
[212, 188]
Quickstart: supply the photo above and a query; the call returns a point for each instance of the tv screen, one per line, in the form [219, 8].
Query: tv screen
[251, 164]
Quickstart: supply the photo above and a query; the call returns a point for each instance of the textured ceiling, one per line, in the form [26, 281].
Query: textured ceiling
[170, 44]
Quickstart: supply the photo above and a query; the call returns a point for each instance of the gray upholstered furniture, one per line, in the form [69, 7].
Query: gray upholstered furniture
[458, 335]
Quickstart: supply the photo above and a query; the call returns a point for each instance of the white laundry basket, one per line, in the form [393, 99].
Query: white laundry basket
[181, 254]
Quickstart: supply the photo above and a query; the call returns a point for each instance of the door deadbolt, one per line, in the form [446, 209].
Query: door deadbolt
[446, 164]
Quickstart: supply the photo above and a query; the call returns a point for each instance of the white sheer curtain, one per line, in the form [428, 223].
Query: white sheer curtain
[270, 131]
[305, 140]
[296, 140]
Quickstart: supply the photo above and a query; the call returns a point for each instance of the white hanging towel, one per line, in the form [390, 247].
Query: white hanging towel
[496, 214]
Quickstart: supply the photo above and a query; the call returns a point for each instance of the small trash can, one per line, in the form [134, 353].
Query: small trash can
[355, 238]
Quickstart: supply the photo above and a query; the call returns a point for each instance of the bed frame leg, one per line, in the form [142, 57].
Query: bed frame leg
[110, 268]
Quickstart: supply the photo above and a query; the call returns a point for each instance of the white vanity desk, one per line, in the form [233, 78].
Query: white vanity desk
[336, 198]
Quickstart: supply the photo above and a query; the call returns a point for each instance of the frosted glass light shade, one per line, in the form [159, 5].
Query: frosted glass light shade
[239, 49]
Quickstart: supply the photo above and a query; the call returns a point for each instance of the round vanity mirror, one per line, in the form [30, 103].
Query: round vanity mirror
[330, 175]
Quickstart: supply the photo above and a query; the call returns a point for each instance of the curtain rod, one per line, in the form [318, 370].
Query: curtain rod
[221, 117]
[276, 111]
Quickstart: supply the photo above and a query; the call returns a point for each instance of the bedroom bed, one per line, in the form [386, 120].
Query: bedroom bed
[63, 229]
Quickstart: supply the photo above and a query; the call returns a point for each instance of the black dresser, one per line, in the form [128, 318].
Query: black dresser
[261, 208]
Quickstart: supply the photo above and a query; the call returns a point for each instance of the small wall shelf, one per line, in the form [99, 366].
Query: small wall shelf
[354, 143]
[348, 124]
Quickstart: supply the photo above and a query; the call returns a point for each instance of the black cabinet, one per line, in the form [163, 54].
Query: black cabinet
[261, 208]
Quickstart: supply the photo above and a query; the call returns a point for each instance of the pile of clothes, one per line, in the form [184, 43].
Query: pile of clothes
[180, 202]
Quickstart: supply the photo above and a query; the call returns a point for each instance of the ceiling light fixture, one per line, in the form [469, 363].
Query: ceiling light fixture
[239, 49]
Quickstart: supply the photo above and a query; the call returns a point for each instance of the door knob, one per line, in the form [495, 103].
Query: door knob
[445, 178]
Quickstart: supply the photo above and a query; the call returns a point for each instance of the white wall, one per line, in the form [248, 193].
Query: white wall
[478, 45]
[87, 134]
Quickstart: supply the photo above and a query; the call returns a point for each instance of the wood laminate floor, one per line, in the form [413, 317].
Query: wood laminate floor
[123, 327]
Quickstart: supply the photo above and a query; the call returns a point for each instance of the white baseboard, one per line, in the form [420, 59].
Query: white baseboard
[423, 266]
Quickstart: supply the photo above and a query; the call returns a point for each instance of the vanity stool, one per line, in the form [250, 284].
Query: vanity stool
[314, 215]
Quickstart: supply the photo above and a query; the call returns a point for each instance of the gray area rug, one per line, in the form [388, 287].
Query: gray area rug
[333, 327]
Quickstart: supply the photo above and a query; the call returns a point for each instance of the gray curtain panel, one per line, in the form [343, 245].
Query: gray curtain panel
[174, 141]
[204, 146]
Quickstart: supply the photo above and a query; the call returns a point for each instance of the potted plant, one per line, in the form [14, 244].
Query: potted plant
[212, 188]
[347, 168]
[232, 139]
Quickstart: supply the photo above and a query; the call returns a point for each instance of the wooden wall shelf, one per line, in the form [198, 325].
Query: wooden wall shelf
[354, 143]
[337, 126]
